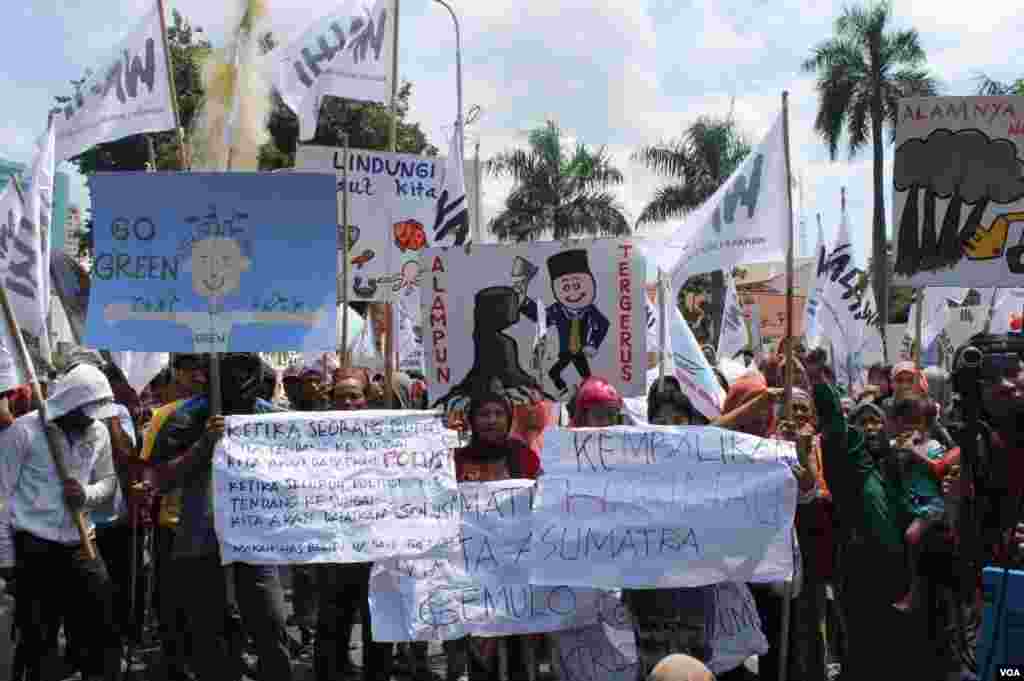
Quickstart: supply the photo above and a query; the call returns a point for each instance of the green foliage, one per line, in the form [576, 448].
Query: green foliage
[988, 87]
[564, 194]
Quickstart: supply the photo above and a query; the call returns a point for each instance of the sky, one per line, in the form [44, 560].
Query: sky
[610, 73]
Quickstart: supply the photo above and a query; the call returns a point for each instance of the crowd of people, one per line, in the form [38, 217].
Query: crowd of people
[905, 489]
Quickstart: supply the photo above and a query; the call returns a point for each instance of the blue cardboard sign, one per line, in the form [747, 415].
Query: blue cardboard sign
[213, 262]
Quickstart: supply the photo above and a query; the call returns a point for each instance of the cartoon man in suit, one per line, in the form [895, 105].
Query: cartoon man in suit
[581, 325]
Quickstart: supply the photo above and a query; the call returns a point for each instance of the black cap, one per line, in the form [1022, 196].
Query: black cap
[568, 262]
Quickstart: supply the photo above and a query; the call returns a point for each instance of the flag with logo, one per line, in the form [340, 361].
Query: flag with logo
[746, 221]
[733, 337]
[451, 224]
[345, 54]
[812, 308]
[935, 302]
[40, 211]
[128, 94]
[20, 257]
[691, 368]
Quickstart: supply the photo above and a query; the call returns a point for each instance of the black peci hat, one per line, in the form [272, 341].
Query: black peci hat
[568, 262]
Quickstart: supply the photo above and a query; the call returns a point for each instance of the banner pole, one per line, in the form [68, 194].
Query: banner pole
[662, 319]
[78, 516]
[183, 162]
[343, 354]
[991, 310]
[389, 342]
[787, 594]
[917, 349]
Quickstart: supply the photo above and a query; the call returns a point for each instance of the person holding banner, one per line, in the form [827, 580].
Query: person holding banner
[344, 589]
[52, 569]
[184, 451]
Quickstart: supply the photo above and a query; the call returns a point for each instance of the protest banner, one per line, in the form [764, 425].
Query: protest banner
[347, 54]
[484, 309]
[597, 652]
[393, 215]
[479, 585]
[128, 94]
[212, 262]
[733, 627]
[958, 199]
[652, 507]
[334, 487]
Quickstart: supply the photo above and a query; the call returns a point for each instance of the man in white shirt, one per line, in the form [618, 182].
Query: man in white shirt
[51, 568]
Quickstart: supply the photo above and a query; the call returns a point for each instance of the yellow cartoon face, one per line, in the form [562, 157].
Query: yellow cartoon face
[217, 266]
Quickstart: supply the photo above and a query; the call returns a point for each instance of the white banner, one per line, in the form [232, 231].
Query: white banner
[958, 192]
[21, 258]
[481, 587]
[632, 507]
[733, 627]
[734, 335]
[746, 221]
[599, 652]
[40, 208]
[346, 54]
[334, 487]
[392, 216]
[813, 327]
[934, 311]
[689, 365]
[483, 309]
[128, 95]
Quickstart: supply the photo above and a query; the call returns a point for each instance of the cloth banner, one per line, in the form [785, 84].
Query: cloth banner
[481, 587]
[482, 310]
[346, 54]
[649, 507]
[691, 367]
[958, 199]
[393, 215]
[334, 487]
[746, 221]
[734, 335]
[20, 258]
[598, 652]
[213, 262]
[128, 94]
[813, 326]
[733, 627]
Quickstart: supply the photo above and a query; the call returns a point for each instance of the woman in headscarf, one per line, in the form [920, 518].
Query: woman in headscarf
[492, 454]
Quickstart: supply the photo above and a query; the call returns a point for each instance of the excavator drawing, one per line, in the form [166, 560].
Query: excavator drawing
[989, 243]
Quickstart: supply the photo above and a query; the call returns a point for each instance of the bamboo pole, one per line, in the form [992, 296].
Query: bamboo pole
[77, 515]
[787, 593]
[918, 351]
[389, 341]
[343, 358]
[183, 161]
[662, 326]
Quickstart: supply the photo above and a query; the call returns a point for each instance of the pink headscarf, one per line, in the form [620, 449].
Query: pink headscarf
[911, 368]
[595, 392]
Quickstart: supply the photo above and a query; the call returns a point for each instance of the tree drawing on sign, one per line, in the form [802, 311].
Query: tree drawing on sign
[217, 263]
[967, 168]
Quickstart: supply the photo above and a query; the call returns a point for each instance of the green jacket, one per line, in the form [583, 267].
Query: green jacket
[866, 501]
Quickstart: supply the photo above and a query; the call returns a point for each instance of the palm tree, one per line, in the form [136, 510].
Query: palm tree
[708, 153]
[557, 193]
[987, 87]
[862, 73]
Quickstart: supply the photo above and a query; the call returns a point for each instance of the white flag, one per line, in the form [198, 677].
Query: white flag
[691, 367]
[409, 341]
[346, 54]
[746, 221]
[129, 94]
[40, 211]
[12, 371]
[812, 308]
[934, 306]
[140, 367]
[451, 224]
[734, 336]
[1008, 311]
[20, 262]
[653, 326]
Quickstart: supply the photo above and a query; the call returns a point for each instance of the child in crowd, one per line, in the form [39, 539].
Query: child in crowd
[916, 453]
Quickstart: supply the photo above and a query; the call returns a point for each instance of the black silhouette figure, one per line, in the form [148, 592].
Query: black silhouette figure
[496, 354]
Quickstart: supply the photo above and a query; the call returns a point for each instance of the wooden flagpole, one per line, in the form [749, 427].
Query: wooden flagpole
[788, 591]
[77, 515]
[343, 354]
[389, 340]
[919, 307]
[183, 155]
[991, 310]
[662, 322]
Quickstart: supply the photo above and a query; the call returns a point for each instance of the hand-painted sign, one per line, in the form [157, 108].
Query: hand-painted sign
[213, 262]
